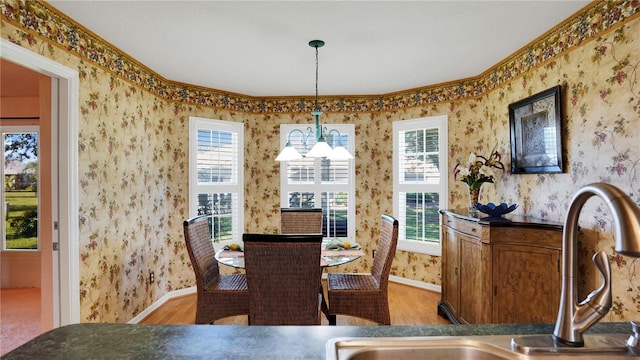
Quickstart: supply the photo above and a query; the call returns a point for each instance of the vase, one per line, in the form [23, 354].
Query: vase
[474, 195]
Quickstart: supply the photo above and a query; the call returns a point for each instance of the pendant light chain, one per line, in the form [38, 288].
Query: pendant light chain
[317, 108]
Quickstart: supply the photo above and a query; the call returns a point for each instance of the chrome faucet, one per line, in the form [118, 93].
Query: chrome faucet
[575, 318]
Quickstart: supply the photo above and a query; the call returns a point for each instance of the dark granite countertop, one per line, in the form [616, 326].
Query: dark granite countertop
[127, 341]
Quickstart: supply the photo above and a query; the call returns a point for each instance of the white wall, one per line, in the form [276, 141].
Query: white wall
[20, 269]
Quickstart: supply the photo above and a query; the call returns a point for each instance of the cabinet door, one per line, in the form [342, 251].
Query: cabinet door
[450, 269]
[470, 280]
[527, 284]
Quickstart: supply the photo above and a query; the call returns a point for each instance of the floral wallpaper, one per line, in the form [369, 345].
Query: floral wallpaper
[133, 146]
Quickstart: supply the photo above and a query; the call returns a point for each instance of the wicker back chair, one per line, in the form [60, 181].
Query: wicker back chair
[365, 295]
[284, 275]
[219, 296]
[300, 220]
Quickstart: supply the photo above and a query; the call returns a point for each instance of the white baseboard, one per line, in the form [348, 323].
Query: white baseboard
[191, 290]
[416, 283]
[166, 297]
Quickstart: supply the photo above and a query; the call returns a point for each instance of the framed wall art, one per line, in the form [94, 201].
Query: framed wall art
[536, 133]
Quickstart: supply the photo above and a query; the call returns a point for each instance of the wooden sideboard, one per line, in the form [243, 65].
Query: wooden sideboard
[499, 271]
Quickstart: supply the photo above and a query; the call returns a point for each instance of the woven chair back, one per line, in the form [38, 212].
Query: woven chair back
[284, 277]
[300, 220]
[200, 248]
[386, 249]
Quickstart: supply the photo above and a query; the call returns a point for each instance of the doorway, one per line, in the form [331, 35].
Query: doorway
[62, 118]
[28, 276]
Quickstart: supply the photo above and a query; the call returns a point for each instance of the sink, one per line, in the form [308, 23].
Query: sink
[490, 347]
[472, 347]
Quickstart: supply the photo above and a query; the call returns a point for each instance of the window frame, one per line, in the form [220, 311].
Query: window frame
[318, 188]
[195, 124]
[439, 122]
[16, 129]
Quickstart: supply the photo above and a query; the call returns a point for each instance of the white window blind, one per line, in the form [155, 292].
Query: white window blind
[321, 183]
[216, 184]
[420, 181]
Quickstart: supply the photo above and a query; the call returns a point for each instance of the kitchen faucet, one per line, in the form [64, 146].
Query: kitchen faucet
[574, 318]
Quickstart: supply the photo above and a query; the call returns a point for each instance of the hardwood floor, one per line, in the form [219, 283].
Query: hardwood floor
[408, 306]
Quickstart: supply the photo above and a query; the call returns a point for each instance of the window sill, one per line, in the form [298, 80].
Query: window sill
[420, 247]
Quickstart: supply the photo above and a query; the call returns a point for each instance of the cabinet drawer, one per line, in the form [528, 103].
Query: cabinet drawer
[464, 226]
[527, 236]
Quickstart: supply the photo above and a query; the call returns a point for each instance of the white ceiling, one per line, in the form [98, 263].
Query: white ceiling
[260, 48]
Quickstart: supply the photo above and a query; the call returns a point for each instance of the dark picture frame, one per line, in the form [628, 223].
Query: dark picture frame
[536, 133]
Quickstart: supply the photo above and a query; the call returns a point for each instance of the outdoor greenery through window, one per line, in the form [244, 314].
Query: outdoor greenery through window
[20, 189]
[420, 180]
[321, 183]
[216, 181]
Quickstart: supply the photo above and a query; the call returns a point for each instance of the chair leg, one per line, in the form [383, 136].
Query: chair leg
[324, 307]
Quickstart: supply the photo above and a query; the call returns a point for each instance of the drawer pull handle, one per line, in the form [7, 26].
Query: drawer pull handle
[473, 229]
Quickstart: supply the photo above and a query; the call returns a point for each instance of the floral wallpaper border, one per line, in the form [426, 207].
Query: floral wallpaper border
[45, 20]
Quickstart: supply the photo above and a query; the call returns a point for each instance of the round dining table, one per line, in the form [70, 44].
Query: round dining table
[328, 258]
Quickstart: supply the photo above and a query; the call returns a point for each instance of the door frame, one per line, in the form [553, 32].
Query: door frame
[64, 118]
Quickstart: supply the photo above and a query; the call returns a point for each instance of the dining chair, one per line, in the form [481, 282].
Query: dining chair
[218, 296]
[366, 295]
[283, 275]
[300, 220]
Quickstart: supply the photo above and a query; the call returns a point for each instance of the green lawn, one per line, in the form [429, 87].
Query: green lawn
[417, 227]
[19, 203]
[221, 227]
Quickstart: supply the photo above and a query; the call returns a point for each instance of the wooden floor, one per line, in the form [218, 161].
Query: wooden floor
[408, 306]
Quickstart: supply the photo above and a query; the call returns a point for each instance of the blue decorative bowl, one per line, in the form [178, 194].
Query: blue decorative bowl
[496, 211]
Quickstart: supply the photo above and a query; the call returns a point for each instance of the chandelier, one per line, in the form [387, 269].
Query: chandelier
[321, 149]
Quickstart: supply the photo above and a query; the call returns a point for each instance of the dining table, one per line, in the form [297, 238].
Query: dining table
[328, 258]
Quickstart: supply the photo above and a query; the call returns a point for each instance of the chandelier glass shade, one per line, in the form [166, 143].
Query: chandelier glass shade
[321, 149]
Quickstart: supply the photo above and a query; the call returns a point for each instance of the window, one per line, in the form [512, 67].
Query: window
[19, 194]
[321, 183]
[419, 182]
[216, 181]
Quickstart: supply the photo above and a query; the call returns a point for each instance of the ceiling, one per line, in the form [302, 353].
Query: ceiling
[260, 48]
